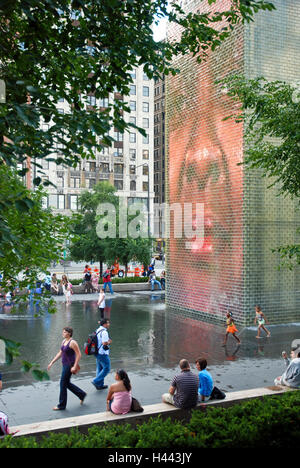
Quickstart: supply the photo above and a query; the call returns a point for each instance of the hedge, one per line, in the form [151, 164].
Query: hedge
[129, 279]
[272, 421]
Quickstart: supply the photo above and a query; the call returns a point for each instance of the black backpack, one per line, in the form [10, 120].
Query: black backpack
[217, 394]
[91, 346]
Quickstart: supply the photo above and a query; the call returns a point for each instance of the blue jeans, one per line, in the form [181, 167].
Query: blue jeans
[109, 285]
[65, 385]
[102, 369]
[153, 282]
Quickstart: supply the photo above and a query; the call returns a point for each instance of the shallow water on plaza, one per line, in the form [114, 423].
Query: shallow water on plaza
[148, 340]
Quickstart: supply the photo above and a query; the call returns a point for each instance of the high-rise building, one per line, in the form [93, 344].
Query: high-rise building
[159, 151]
[127, 164]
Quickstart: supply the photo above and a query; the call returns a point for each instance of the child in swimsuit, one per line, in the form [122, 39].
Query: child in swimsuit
[231, 328]
[261, 319]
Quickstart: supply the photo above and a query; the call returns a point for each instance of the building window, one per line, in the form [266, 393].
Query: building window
[132, 137]
[145, 77]
[118, 136]
[145, 186]
[132, 169]
[118, 168]
[132, 153]
[146, 91]
[132, 90]
[145, 106]
[145, 154]
[91, 166]
[60, 182]
[90, 183]
[145, 169]
[103, 102]
[132, 120]
[118, 184]
[73, 202]
[91, 100]
[118, 152]
[75, 182]
[104, 168]
[146, 140]
[145, 123]
[133, 185]
[61, 202]
[52, 201]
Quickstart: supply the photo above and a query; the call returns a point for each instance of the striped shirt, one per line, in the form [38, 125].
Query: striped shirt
[186, 384]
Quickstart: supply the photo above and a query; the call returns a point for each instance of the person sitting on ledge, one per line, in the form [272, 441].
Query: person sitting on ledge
[205, 380]
[291, 376]
[119, 394]
[183, 392]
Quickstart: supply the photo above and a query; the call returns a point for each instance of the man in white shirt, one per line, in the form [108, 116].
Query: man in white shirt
[102, 357]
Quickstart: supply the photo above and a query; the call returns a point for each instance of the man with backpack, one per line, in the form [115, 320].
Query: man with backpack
[102, 357]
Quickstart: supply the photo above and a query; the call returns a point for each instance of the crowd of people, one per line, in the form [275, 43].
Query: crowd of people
[187, 388]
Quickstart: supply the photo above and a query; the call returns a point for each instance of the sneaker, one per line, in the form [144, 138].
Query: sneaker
[99, 388]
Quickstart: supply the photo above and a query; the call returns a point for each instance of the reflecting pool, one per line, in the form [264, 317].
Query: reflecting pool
[148, 342]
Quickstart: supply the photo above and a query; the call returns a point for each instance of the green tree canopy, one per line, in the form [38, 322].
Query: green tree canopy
[87, 244]
[72, 49]
[271, 114]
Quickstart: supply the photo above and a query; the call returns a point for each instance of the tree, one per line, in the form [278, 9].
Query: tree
[74, 49]
[271, 114]
[34, 238]
[85, 244]
[89, 244]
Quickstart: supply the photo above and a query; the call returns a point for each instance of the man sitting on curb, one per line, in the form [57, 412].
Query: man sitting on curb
[291, 376]
[183, 392]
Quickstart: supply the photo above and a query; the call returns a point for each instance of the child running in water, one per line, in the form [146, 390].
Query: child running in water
[261, 319]
[231, 328]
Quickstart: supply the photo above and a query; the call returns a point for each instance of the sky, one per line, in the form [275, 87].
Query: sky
[159, 31]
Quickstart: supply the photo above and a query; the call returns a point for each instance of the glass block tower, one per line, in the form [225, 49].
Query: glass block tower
[232, 266]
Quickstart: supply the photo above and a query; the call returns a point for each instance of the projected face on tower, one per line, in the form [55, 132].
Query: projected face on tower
[204, 152]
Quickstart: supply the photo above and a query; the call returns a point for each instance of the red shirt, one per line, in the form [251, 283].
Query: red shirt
[106, 279]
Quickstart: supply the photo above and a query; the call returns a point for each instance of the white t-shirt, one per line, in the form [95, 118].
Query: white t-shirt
[103, 337]
[102, 303]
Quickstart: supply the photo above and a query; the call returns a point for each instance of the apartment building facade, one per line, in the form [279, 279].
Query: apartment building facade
[127, 164]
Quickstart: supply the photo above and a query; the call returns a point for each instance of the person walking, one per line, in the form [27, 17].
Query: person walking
[231, 328]
[163, 279]
[107, 281]
[70, 355]
[183, 392]
[67, 288]
[95, 280]
[261, 320]
[101, 302]
[154, 281]
[102, 357]
[54, 285]
[119, 394]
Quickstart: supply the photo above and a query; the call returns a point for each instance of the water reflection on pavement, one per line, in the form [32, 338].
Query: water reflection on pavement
[148, 342]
